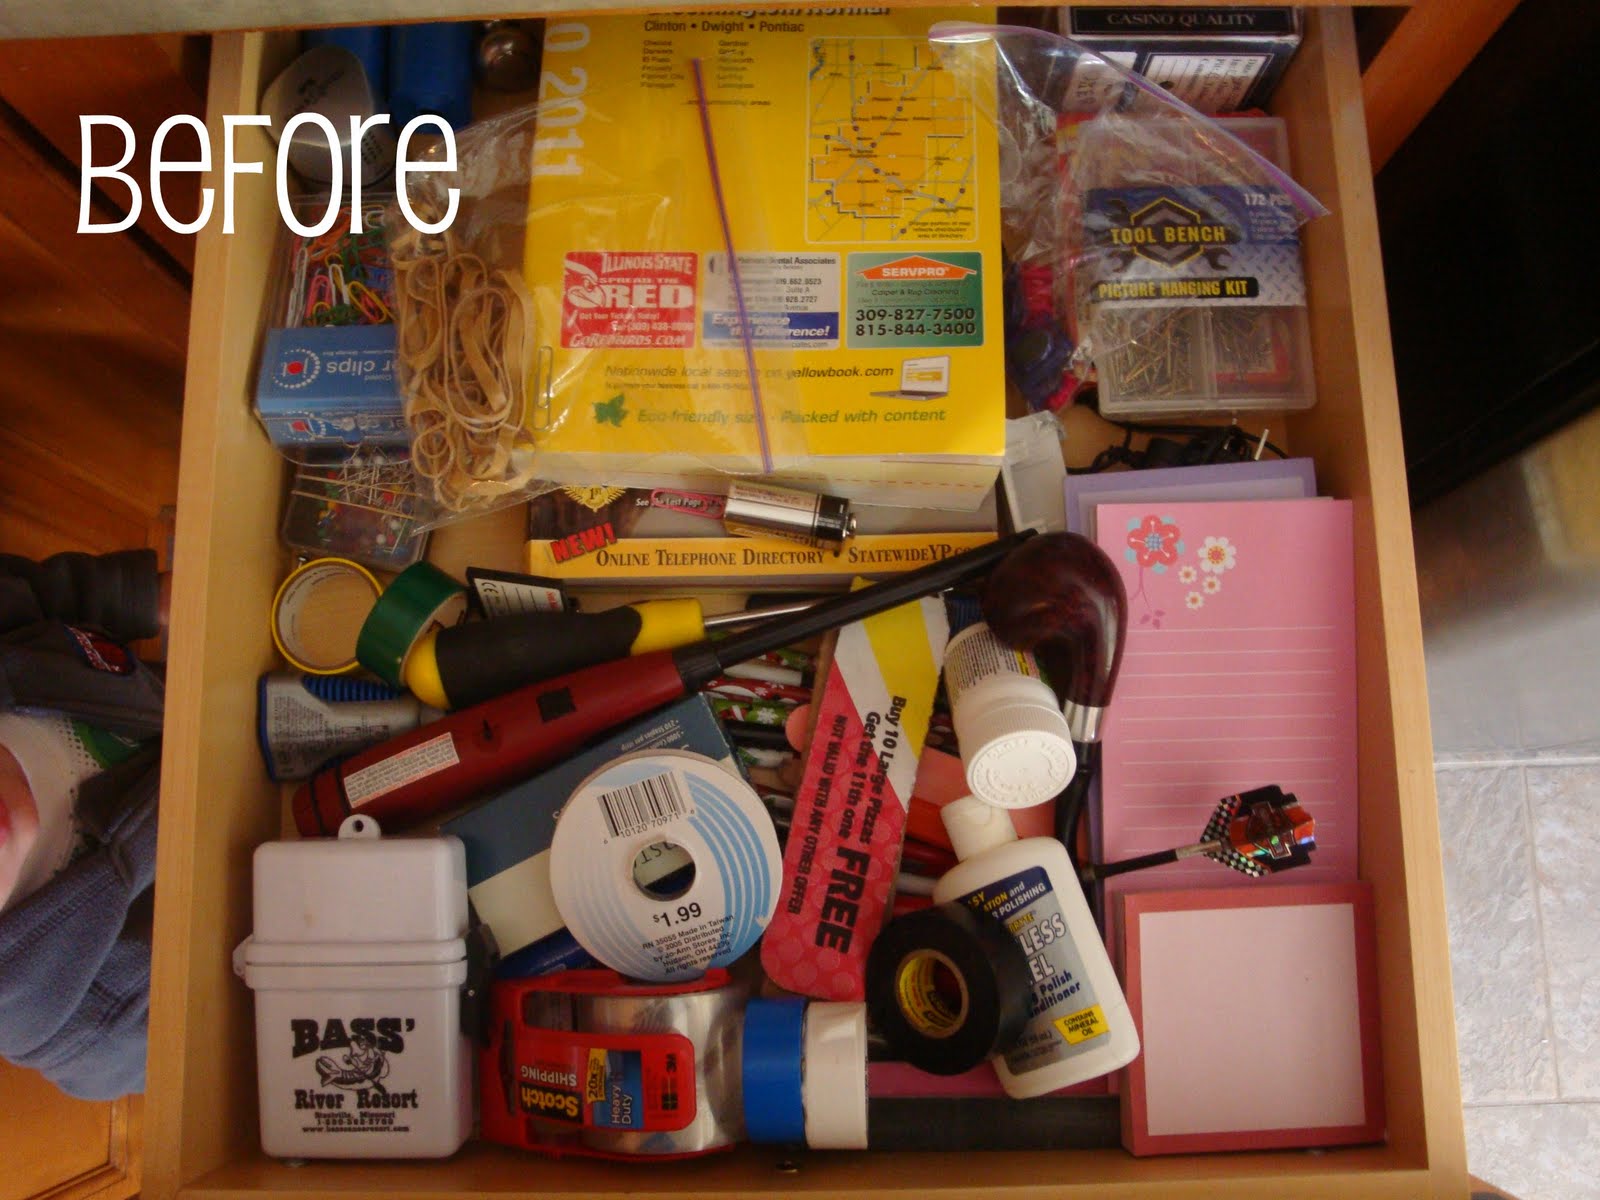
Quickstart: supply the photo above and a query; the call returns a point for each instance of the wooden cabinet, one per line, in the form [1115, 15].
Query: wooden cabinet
[63, 1148]
[218, 805]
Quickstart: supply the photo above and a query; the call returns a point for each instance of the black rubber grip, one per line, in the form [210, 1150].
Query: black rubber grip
[483, 659]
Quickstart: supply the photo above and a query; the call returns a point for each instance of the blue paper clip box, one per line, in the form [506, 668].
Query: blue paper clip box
[330, 387]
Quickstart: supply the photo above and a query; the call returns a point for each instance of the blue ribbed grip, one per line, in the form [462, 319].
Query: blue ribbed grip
[341, 689]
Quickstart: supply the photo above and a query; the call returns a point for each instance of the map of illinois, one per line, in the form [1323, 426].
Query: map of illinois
[891, 145]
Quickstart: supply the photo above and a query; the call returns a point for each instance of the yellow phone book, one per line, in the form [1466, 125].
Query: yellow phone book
[852, 342]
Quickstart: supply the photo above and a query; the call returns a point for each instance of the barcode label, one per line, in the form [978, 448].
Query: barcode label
[640, 805]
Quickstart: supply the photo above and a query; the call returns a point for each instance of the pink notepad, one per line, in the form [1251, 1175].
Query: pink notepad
[1258, 1018]
[1239, 672]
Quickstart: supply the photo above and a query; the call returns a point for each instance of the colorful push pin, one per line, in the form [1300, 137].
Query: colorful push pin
[1259, 832]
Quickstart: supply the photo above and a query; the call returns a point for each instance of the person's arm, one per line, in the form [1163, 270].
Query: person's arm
[118, 593]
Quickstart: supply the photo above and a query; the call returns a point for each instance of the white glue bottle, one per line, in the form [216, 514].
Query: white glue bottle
[1079, 1025]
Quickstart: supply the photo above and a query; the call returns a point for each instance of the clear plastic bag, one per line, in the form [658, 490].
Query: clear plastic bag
[568, 287]
[822, 308]
[1174, 244]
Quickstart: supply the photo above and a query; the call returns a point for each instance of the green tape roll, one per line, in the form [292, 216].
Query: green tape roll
[420, 598]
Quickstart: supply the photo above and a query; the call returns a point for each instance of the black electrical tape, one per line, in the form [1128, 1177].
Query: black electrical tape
[948, 988]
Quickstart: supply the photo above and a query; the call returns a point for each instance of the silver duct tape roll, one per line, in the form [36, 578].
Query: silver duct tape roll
[713, 1022]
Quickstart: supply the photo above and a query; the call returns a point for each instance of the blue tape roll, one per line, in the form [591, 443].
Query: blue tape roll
[774, 1046]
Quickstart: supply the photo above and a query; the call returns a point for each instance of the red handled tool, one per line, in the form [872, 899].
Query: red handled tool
[439, 766]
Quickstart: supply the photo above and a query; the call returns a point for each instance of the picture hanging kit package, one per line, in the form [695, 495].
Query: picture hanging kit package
[1191, 276]
[327, 377]
[1178, 241]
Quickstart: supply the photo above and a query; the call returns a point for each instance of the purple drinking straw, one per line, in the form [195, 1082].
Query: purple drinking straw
[733, 263]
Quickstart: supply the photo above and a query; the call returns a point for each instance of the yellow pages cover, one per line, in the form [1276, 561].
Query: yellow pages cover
[852, 341]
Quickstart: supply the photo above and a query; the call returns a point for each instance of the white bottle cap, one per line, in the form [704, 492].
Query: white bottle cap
[834, 1091]
[1015, 743]
[974, 826]
[1017, 754]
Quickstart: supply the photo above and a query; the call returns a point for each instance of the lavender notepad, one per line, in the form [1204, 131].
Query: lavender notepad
[1268, 479]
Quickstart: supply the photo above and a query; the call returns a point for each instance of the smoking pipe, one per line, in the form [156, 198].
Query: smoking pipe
[1059, 596]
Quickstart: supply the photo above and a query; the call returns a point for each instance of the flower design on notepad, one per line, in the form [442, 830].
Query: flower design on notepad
[1211, 585]
[1218, 554]
[1154, 543]
[1187, 574]
[1195, 600]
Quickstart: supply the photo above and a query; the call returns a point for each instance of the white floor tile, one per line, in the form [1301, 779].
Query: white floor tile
[1502, 1017]
[1537, 1151]
[1565, 806]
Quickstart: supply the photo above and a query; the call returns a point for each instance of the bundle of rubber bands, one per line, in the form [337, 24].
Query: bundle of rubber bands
[466, 348]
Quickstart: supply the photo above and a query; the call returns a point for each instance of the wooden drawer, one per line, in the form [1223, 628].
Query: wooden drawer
[217, 804]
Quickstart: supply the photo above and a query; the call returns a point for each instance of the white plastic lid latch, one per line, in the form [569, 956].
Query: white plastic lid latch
[359, 825]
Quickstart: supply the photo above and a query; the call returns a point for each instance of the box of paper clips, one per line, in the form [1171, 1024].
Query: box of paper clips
[327, 376]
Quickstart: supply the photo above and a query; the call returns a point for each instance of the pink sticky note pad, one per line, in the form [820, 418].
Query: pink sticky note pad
[1257, 1011]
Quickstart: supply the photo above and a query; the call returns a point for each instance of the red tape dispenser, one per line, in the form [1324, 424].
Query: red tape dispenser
[589, 1063]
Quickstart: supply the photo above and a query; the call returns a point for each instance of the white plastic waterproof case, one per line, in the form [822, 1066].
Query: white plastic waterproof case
[357, 960]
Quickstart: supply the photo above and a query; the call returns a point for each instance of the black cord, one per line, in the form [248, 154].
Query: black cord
[1206, 444]
[1234, 431]
[1071, 802]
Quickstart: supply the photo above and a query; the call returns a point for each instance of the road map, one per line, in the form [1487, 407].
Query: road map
[891, 144]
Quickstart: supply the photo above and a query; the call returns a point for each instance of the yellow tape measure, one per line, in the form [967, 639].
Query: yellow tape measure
[318, 613]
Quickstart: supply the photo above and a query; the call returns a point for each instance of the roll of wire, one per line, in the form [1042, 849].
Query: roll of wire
[714, 1022]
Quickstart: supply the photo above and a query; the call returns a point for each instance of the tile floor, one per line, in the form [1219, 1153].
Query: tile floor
[1522, 881]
